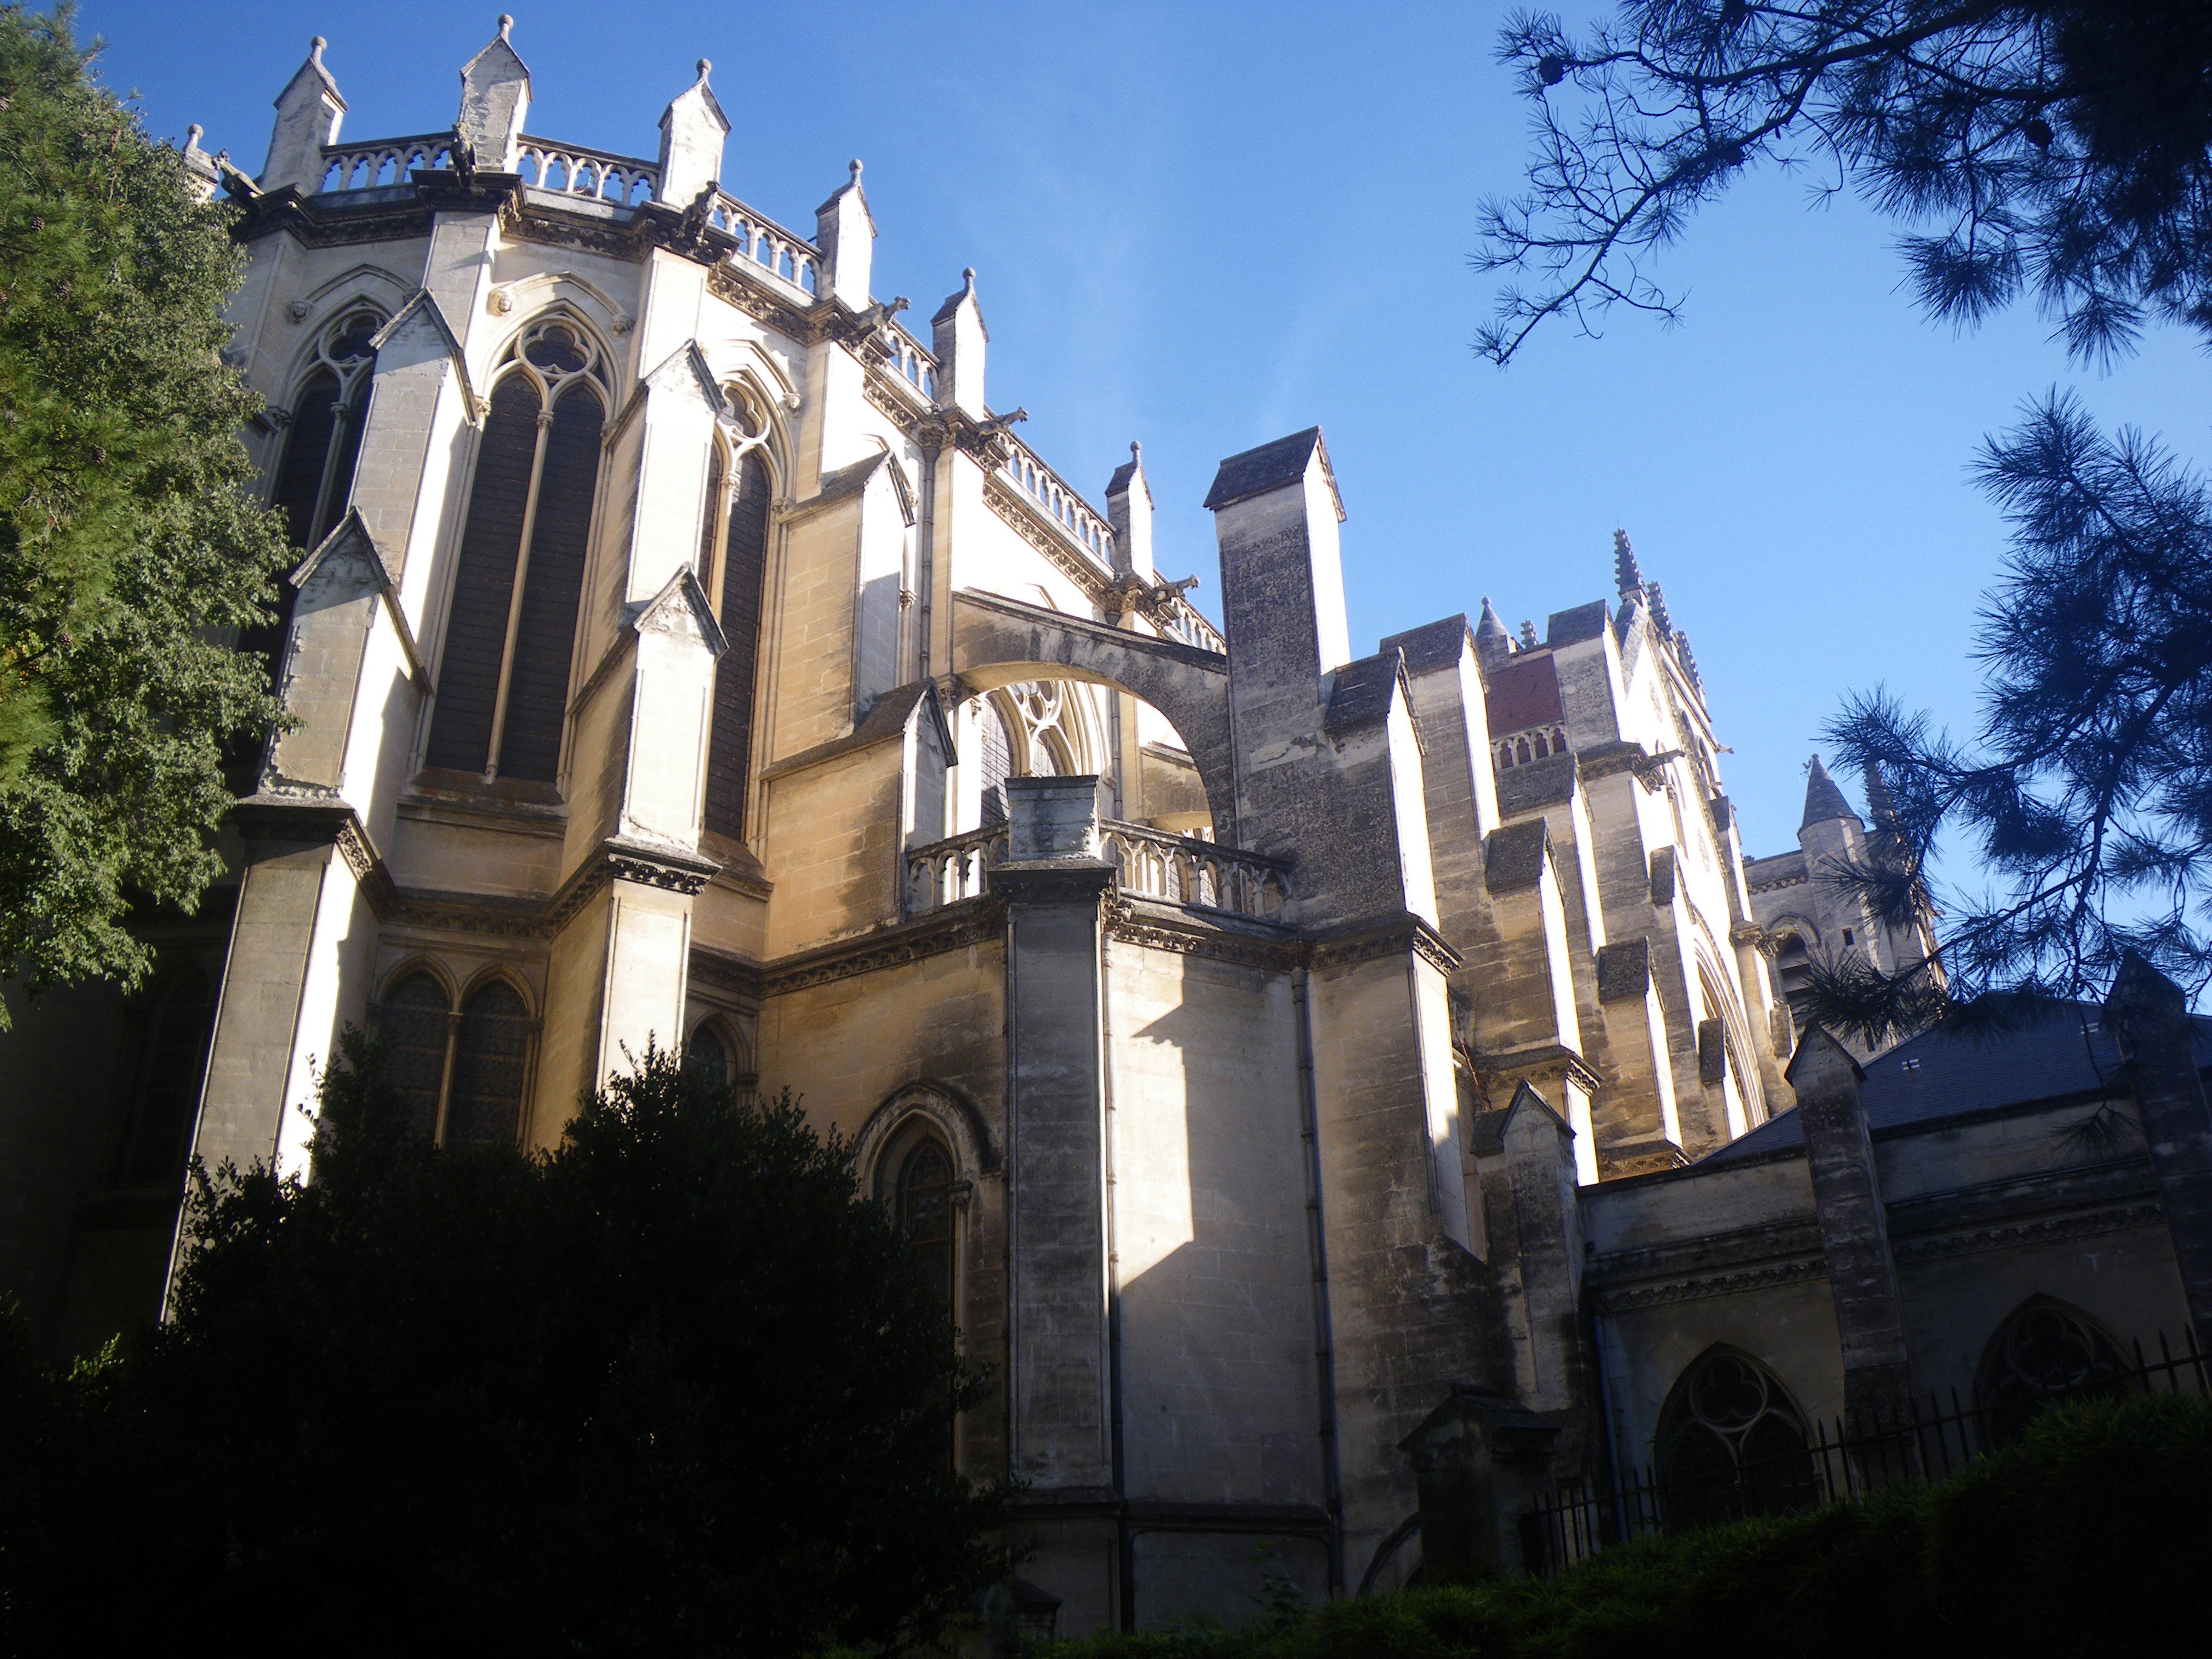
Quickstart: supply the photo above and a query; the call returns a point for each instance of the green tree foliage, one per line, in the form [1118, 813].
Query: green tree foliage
[2052, 147]
[127, 532]
[673, 1389]
[2086, 1539]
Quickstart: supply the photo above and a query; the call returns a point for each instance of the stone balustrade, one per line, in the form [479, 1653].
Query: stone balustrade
[911, 361]
[1068, 511]
[1148, 863]
[766, 245]
[597, 175]
[384, 161]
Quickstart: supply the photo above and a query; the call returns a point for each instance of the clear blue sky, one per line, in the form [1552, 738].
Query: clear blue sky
[1206, 225]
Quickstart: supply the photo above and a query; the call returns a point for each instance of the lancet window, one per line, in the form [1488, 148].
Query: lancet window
[923, 1206]
[733, 561]
[503, 684]
[170, 1072]
[321, 446]
[2043, 1354]
[1731, 1444]
[462, 1070]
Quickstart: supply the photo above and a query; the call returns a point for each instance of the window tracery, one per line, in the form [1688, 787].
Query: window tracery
[502, 685]
[2043, 1354]
[923, 1209]
[321, 446]
[1731, 1444]
[462, 1071]
[733, 554]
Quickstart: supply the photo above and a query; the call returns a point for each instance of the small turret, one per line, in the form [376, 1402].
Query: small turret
[1493, 643]
[959, 339]
[692, 128]
[1129, 506]
[1823, 801]
[309, 112]
[495, 102]
[1627, 573]
[846, 233]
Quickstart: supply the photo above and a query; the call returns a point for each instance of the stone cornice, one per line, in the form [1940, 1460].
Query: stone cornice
[1161, 927]
[1538, 1060]
[955, 926]
[1060, 881]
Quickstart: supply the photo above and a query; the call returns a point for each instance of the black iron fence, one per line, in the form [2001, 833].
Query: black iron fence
[1835, 1463]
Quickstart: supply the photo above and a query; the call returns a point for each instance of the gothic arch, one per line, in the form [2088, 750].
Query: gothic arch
[918, 1105]
[420, 962]
[504, 972]
[362, 279]
[2043, 1352]
[998, 642]
[1732, 1441]
[535, 294]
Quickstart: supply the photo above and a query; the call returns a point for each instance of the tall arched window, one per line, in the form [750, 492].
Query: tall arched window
[709, 1055]
[159, 1137]
[503, 684]
[463, 1073]
[1731, 1444]
[743, 571]
[924, 1211]
[997, 759]
[2043, 1354]
[320, 448]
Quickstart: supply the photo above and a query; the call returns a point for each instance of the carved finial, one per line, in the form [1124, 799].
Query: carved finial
[506, 24]
[1136, 452]
[1627, 573]
[968, 276]
[192, 135]
[705, 64]
[1689, 663]
[1657, 601]
[1528, 636]
[854, 165]
[315, 50]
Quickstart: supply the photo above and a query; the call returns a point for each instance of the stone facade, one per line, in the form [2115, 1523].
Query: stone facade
[1286, 1054]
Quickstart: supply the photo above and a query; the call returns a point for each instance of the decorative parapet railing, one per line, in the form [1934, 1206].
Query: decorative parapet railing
[911, 360]
[1179, 619]
[1050, 492]
[1148, 863]
[384, 161]
[766, 245]
[946, 872]
[596, 175]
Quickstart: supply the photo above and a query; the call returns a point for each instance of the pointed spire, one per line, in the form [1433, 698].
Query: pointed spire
[958, 339]
[1823, 801]
[1660, 620]
[845, 231]
[692, 128]
[494, 102]
[309, 112]
[1881, 805]
[1129, 506]
[1627, 574]
[1493, 643]
[1528, 636]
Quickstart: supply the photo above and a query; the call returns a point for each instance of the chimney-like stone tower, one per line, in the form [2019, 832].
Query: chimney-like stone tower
[309, 112]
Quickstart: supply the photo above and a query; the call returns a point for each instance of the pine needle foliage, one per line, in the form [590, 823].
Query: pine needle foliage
[2060, 149]
[674, 1388]
[129, 538]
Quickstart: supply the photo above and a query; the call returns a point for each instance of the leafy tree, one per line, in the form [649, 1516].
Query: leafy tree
[673, 1389]
[2057, 147]
[2061, 149]
[128, 536]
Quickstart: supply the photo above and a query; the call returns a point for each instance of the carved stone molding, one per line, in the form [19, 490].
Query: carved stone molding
[880, 390]
[1096, 583]
[1409, 934]
[954, 928]
[2019, 1235]
[670, 871]
[1158, 933]
[1685, 1290]
[729, 283]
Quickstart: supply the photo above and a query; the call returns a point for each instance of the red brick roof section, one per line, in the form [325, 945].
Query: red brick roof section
[1522, 694]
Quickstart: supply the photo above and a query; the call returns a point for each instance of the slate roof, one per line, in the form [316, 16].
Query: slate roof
[1431, 645]
[1584, 621]
[1363, 691]
[1270, 466]
[1945, 1074]
[1823, 801]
